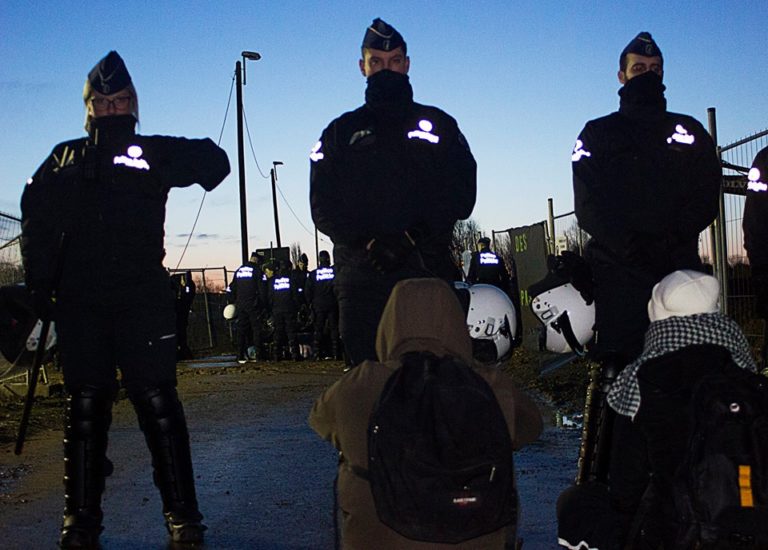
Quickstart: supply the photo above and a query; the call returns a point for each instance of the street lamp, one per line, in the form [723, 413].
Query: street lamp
[273, 173]
[240, 80]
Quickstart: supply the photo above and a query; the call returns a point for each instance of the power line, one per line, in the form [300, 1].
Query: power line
[247, 131]
[202, 201]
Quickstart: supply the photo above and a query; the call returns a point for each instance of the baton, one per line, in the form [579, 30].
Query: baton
[32, 385]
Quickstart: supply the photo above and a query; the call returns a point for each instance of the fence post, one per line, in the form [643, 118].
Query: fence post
[208, 320]
[550, 226]
[719, 244]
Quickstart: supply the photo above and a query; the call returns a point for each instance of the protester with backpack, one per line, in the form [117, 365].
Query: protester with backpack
[423, 330]
[689, 435]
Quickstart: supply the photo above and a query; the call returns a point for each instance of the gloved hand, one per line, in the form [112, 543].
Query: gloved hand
[389, 252]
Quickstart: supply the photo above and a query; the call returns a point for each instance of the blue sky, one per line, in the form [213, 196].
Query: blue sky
[521, 77]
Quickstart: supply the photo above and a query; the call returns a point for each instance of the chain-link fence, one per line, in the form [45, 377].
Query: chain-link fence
[11, 271]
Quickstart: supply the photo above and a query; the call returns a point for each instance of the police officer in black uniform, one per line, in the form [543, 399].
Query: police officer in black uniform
[755, 225]
[487, 267]
[248, 293]
[96, 208]
[387, 183]
[646, 183]
[319, 293]
[284, 304]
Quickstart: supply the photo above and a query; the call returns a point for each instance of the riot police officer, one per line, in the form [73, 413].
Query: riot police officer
[184, 289]
[755, 225]
[284, 304]
[387, 183]
[646, 183]
[96, 206]
[319, 293]
[487, 267]
[248, 293]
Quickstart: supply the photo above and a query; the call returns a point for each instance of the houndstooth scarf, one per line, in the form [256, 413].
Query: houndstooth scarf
[670, 335]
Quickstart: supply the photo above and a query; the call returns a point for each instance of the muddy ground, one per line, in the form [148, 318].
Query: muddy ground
[264, 478]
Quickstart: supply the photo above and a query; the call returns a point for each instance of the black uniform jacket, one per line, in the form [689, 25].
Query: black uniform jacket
[283, 297]
[319, 289]
[390, 166]
[755, 222]
[248, 287]
[643, 171]
[487, 267]
[108, 194]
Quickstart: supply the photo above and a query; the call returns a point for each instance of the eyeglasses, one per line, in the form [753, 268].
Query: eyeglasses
[102, 103]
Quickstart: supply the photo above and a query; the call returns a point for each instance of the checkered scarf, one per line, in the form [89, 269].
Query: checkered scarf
[670, 335]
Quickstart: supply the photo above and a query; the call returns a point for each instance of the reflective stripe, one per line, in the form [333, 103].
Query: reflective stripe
[745, 486]
[578, 151]
[681, 135]
[324, 274]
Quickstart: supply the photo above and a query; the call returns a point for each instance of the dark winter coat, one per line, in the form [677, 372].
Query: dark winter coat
[108, 194]
[319, 289]
[247, 288]
[391, 166]
[487, 267]
[421, 315]
[756, 214]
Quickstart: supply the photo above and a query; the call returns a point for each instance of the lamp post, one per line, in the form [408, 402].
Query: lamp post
[273, 173]
[240, 81]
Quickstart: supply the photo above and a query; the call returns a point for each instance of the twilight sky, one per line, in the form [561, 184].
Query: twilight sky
[521, 78]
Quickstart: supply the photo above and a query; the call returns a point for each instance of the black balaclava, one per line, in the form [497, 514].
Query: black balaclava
[642, 97]
[389, 93]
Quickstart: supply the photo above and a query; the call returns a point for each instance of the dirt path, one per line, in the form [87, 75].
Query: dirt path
[265, 479]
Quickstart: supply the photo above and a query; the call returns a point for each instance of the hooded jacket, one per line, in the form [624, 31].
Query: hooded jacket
[421, 315]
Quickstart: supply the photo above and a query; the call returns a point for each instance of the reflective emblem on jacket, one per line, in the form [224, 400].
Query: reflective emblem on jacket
[317, 152]
[578, 151]
[132, 159]
[324, 274]
[681, 135]
[488, 258]
[754, 181]
[424, 132]
[245, 272]
[281, 283]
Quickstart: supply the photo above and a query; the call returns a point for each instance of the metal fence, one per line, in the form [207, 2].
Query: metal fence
[11, 271]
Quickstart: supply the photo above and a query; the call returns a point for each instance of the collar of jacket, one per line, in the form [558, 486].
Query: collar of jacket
[389, 94]
[642, 97]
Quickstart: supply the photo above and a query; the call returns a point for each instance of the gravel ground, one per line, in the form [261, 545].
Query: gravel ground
[264, 478]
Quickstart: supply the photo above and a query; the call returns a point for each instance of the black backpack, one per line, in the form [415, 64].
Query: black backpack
[721, 487]
[439, 453]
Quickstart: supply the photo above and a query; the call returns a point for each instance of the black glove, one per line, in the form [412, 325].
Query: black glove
[389, 252]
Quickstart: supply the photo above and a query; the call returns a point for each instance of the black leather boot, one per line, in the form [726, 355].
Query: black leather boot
[89, 414]
[162, 420]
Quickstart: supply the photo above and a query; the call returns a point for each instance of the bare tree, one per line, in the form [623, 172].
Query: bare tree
[575, 237]
[465, 235]
[295, 253]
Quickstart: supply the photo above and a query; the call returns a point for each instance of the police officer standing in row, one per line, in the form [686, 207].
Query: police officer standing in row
[755, 225]
[387, 183]
[248, 292]
[184, 289]
[319, 294]
[283, 299]
[96, 208]
[646, 183]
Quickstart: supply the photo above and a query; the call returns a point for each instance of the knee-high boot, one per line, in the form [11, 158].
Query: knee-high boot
[162, 420]
[89, 414]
